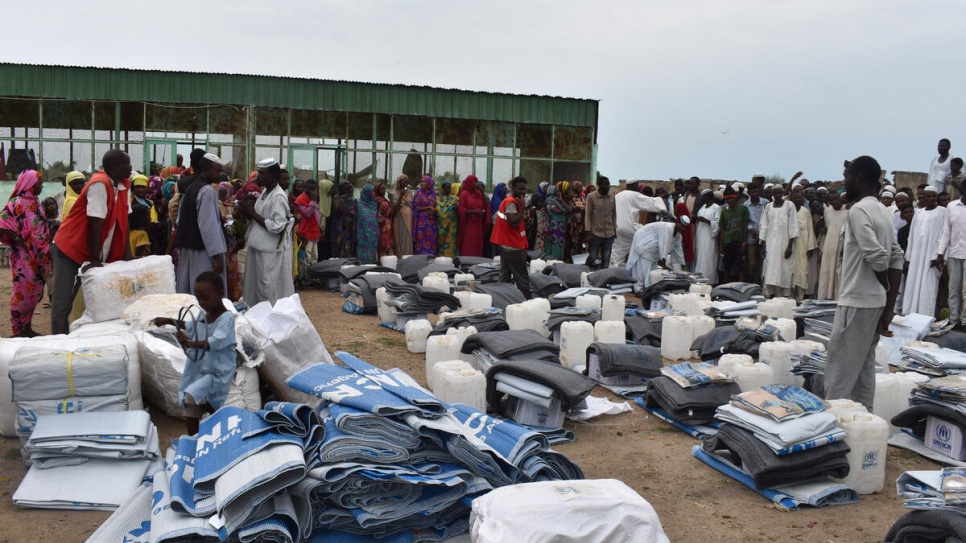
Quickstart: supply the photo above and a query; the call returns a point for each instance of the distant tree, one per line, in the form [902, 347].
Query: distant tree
[57, 169]
[775, 179]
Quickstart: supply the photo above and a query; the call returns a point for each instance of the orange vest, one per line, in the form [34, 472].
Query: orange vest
[504, 233]
[72, 237]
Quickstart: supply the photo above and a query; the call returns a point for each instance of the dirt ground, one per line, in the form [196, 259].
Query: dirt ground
[694, 502]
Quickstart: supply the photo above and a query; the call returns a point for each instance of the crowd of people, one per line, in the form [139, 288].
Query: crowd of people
[261, 234]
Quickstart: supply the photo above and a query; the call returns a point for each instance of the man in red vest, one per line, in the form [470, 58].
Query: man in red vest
[95, 231]
[510, 237]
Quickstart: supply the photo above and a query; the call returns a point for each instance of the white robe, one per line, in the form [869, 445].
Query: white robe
[804, 243]
[706, 243]
[651, 244]
[829, 277]
[778, 226]
[922, 281]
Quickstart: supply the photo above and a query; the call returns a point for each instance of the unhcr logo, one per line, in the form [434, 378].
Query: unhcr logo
[941, 440]
[871, 460]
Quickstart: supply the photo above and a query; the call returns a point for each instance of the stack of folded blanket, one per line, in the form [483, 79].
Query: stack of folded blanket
[736, 292]
[623, 369]
[547, 384]
[418, 299]
[942, 397]
[727, 340]
[938, 499]
[510, 345]
[780, 435]
[561, 315]
[503, 294]
[568, 273]
[546, 285]
[643, 330]
[690, 405]
[616, 280]
[484, 320]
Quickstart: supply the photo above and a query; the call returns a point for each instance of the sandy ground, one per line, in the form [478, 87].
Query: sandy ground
[694, 502]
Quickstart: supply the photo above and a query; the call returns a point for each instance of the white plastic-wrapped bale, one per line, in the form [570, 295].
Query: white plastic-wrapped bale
[8, 348]
[589, 511]
[162, 367]
[141, 312]
[289, 342]
[110, 289]
[42, 373]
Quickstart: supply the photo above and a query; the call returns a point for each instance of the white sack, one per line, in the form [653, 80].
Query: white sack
[9, 346]
[290, 344]
[588, 511]
[109, 289]
[140, 313]
[42, 373]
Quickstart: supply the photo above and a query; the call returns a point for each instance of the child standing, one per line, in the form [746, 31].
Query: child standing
[210, 344]
[138, 222]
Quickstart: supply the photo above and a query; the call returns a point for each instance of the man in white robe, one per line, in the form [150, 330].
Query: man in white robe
[628, 205]
[706, 238]
[653, 246]
[923, 268]
[939, 166]
[777, 233]
[805, 242]
[829, 277]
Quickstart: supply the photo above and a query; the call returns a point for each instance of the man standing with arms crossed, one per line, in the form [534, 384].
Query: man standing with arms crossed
[510, 237]
[599, 224]
[871, 271]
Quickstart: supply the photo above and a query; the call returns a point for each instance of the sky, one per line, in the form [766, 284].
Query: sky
[713, 88]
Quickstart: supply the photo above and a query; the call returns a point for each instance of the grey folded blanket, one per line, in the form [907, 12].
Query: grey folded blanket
[486, 273]
[408, 267]
[570, 386]
[418, 299]
[546, 285]
[609, 277]
[513, 345]
[726, 340]
[483, 321]
[665, 285]
[369, 284]
[768, 469]
[935, 526]
[642, 330]
[466, 262]
[736, 292]
[914, 418]
[950, 340]
[641, 360]
[692, 406]
[503, 294]
[325, 269]
[349, 274]
[449, 270]
[568, 273]
[569, 314]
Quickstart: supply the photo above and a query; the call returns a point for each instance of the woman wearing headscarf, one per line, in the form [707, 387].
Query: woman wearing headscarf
[402, 217]
[474, 217]
[385, 221]
[542, 189]
[367, 226]
[342, 240]
[23, 226]
[576, 233]
[499, 194]
[157, 231]
[687, 236]
[558, 212]
[225, 193]
[238, 254]
[326, 191]
[75, 182]
[447, 219]
[139, 195]
[537, 227]
[424, 217]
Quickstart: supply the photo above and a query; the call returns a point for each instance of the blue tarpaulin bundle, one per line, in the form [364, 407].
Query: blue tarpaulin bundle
[380, 459]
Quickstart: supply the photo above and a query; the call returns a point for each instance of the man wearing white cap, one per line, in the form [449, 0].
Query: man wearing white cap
[268, 272]
[655, 245]
[706, 237]
[199, 237]
[888, 199]
[924, 268]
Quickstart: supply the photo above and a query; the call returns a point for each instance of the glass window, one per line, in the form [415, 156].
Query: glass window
[454, 133]
[185, 119]
[573, 143]
[20, 113]
[360, 127]
[412, 132]
[55, 160]
[571, 171]
[62, 114]
[535, 140]
[536, 172]
[502, 171]
[271, 123]
[132, 116]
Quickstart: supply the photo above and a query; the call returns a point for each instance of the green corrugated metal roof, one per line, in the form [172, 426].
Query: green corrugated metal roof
[30, 80]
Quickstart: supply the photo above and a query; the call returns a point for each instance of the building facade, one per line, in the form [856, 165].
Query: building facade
[58, 118]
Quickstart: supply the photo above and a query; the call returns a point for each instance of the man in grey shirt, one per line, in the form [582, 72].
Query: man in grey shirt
[871, 271]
